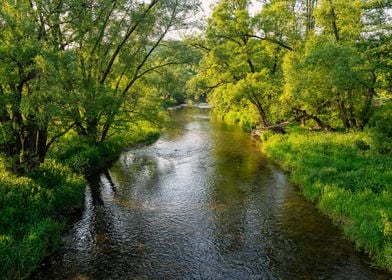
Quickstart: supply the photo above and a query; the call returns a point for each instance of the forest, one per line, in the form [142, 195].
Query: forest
[82, 79]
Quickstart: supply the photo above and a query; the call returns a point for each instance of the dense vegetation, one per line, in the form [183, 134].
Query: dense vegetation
[324, 62]
[32, 215]
[80, 80]
[81, 66]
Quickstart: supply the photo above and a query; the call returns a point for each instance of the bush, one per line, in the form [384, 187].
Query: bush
[266, 134]
[361, 145]
[381, 127]
[81, 157]
[67, 187]
[30, 220]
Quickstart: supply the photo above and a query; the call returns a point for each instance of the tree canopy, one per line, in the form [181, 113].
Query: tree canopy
[323, 61]
[78, 65]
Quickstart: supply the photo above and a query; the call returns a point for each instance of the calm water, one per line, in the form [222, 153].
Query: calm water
[201, 203]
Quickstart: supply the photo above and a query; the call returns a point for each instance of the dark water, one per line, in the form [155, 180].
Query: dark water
[201, 203]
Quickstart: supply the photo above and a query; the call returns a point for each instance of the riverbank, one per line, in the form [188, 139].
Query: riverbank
[35, 209]
[347, 179]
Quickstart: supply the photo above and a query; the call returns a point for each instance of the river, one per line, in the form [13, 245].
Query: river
[201, 203]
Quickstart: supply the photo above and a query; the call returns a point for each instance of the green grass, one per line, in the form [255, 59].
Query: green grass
[81, 156]
[34, 208]
[348, 179]
[32, 215]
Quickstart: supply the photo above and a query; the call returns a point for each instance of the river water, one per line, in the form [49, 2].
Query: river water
[201, 203]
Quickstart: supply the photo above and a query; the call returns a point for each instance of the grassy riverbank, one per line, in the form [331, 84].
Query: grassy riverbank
[34, 209]
[348, 179]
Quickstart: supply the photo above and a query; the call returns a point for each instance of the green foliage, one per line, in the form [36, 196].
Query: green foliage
[361, 145]
[346, 14]
[170, 81]
[68, 66]
[247, 118]
[265, 135]
[349, 182]
[240, 69]
[381, 126]
[82, 157]
[32, 215]
[322, 62]
[63, 183]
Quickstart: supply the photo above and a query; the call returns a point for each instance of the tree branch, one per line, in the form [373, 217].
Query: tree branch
[271, 40]
[123, 42]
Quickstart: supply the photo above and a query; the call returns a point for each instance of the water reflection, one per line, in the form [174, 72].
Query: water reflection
[201, 203]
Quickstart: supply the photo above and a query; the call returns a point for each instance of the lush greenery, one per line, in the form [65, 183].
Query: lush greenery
[31, 215]
[80, 156]
[77, 78]
[347, 178]
[326, 62]
[82, 66]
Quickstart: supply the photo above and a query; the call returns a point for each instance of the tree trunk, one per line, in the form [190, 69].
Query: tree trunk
[310, 21]
[92, 130]
[106, 128]
[321, 124]
[351, 110]
[42, 146]
[367, 110]
[263, 115]
[343, 113]
[335, 28]
[303, 116]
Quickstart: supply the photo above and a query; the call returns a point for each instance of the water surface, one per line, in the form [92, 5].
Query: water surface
[201, 203]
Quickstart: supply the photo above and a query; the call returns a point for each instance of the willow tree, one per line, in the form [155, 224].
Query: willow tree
[73, 64]
[116, 41]
[33, 78]
[334, 78]
[242, 64]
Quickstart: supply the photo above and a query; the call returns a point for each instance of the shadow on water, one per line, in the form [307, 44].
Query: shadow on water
[201, 203]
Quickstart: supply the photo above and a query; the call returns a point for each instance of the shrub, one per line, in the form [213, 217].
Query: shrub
[30, 224]
[266, 134]
[361, 145]
[381, 127]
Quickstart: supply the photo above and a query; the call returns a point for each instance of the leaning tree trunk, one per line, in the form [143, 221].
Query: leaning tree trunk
[92, 130]
[266, 124]
[343, 113]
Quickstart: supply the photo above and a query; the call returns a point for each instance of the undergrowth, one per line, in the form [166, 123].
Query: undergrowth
[32, 215]
[349, 180]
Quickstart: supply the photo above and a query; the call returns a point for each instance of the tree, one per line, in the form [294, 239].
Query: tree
[33, 69]
[241, 68]
[170, 82]
[73, 64]
[336, 74]
[116, 53]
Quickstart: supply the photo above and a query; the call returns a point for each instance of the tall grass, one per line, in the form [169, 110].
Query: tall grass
[348, 179]
[32, 215]
[83, 157]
